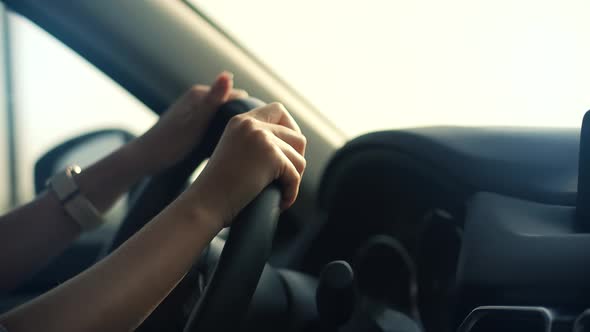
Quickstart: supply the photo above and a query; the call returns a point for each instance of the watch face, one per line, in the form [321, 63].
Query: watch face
[64, 184]
[73, 170]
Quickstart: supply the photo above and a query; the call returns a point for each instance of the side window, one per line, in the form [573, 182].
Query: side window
[56, 95]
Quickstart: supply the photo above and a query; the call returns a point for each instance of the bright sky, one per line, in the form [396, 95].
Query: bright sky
[378, 64]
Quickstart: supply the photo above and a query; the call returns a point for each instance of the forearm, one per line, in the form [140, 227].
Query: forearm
[36, 232]
[126, 286]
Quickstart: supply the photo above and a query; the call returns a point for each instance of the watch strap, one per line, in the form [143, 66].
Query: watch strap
[73, 201]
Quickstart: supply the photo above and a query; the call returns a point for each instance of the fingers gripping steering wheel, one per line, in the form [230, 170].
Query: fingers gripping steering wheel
[226, 298]
[230, 289]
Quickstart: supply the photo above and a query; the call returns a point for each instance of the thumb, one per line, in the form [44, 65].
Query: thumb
[220, 90]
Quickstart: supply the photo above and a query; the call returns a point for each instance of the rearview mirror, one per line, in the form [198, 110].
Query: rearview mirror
[82, 150]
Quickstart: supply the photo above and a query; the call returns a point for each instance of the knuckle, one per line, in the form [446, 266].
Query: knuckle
[260, 136]
[303, 164]
[302, 141]
[247, 123]
[299, 166]
[241, 123]
[234, 122]
[293, 172]
[278, 107]
[296, 178]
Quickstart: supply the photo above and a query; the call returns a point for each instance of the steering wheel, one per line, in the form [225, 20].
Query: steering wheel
[226, 298]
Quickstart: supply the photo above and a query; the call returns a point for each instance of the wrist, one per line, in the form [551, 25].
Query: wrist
[104, 181]
[200, 209]
[137, 155]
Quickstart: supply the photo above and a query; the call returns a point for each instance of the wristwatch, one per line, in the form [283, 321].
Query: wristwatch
[73, 201]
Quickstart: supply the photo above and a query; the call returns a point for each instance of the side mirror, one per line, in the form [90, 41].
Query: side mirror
[82, 150]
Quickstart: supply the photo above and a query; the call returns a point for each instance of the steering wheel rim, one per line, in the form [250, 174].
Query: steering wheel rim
[226, 298]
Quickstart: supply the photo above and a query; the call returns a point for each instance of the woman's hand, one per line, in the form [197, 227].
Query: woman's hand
[182, 126]
[255, 149]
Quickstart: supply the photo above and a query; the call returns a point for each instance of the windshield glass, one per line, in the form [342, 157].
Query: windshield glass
[388, 64]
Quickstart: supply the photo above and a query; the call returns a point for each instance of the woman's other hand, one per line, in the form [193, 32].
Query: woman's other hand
[182, 126]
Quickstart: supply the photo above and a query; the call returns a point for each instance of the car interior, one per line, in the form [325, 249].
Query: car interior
[434, 228]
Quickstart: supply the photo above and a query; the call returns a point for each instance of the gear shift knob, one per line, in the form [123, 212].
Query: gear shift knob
[335, 295]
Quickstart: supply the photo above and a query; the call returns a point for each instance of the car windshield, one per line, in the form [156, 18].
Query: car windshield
[377, 64]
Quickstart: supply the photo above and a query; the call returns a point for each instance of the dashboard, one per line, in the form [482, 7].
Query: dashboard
[419, 213]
